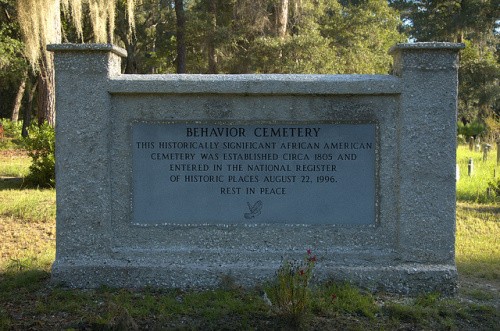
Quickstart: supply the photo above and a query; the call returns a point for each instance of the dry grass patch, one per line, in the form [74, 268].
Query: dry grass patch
[14, 163]
[478, 240]
[21, 240]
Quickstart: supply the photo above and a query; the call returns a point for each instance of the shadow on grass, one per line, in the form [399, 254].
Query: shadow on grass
[476, 197]
[481, 269]
[19, 183]
[11, 183]
[490, 209]
[14, 283]
[28, 301]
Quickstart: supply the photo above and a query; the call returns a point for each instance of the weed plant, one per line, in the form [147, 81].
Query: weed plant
[291, 293]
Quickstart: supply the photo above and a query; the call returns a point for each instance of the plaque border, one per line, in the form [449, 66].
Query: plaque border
[234, 122]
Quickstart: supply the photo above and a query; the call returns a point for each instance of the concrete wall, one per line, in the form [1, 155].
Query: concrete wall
[409, 248]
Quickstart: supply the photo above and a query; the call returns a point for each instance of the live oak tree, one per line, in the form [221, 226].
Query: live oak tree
[40, 23]
[217, 36]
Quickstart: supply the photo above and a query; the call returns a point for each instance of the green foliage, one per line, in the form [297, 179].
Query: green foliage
[472, 129]
[12, 134]
[360, 34]
[5, 323]
[321, 37]
[492, 128]
[11, 129]
[449, 20]
[12, 62]
[296, 54]
[41, 147]
[479, 92]
[11, 47]
[475, 23]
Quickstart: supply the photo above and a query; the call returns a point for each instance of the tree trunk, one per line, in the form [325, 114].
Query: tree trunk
[46, 81]
[46, 95]
[212, 56]
[19, 97]
[131, 60]
[181, 40]
[295, 17]
[130, 40]
[282, 19]
[27, 112]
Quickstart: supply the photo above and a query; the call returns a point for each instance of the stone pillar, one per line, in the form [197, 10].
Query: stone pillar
[82, 151]
[427, 130]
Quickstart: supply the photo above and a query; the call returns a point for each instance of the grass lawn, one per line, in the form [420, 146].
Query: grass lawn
[14, 163]
[28, 301]
[474, 188]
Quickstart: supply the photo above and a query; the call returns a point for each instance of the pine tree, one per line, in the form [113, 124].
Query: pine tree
[475, 23]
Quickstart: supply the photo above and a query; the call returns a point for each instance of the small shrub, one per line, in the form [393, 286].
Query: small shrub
[11, 134]
[11, 129]
[41, 146]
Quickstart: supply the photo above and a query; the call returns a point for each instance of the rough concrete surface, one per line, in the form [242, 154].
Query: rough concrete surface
[409, 248]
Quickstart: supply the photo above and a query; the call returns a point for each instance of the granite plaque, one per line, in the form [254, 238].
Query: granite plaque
[186, 173]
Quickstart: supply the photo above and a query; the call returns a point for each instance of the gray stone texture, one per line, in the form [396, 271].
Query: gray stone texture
[410, 249]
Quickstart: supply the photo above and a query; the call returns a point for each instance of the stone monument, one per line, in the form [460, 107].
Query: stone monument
[179, 180]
